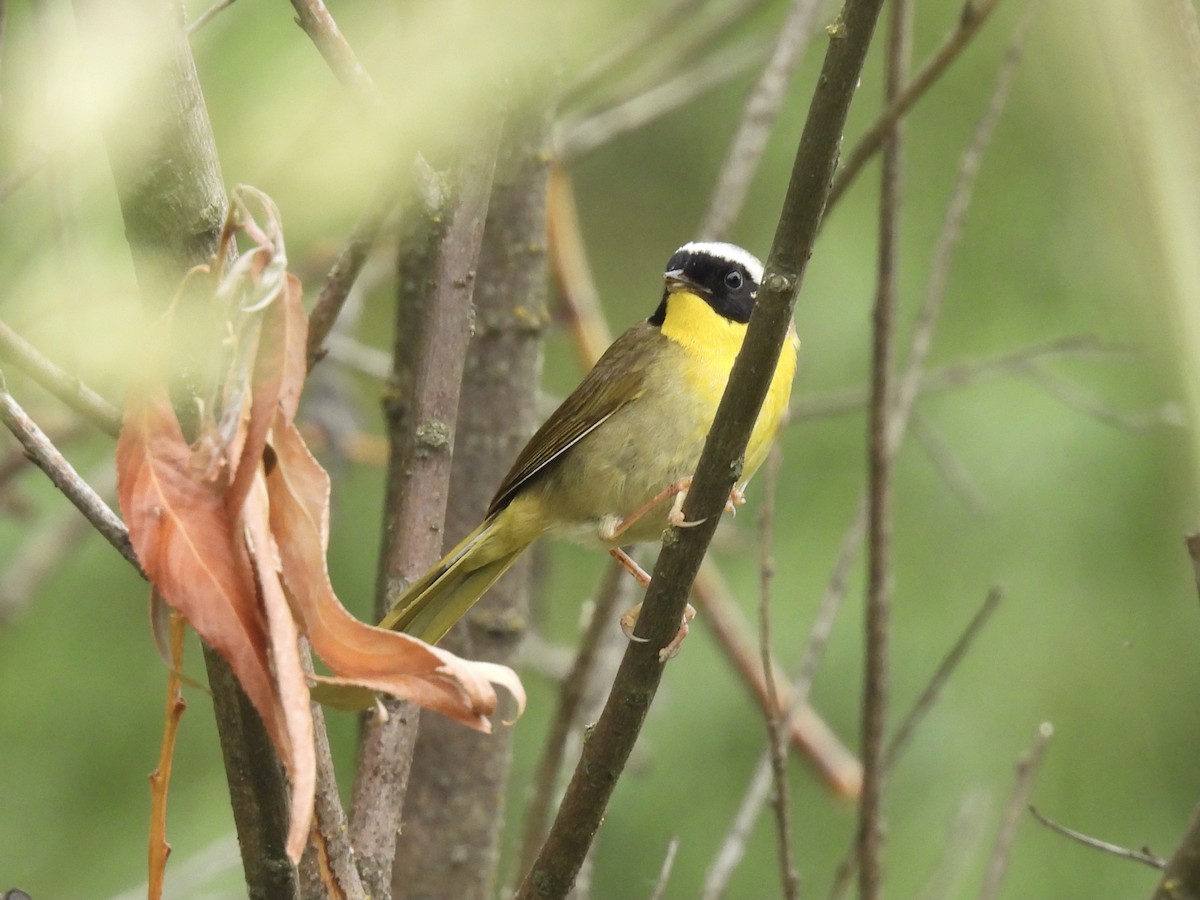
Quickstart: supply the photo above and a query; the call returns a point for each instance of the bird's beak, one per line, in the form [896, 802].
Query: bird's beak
[677, 281]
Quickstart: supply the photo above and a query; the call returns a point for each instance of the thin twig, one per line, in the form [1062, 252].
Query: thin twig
[775, 713]
[664, 874]
[809, 734]
[611, 741]
[933, 688]
[160, 778]
[758, 118]
[1143, 856]
[947, 463]
[208, 15]
[957, 850]
[844, 873]
[577, 139]
[319, 25]
[344, 272]
[880, 412]
[64, 477]
[66, 387]
[969, 21]
[580, 306]
[614, 590]
[1027, 769]
[954, 376]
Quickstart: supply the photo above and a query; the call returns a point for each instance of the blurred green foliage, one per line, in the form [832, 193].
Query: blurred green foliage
[1078, 519]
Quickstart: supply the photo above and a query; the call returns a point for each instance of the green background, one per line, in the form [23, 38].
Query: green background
[1079, 519]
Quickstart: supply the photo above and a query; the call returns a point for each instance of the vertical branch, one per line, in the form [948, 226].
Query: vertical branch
[1181, 877]
[172, 197]
[776, 715]
[433, 327]
[879, 575]
[451, 841]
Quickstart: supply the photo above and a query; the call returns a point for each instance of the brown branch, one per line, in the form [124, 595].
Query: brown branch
[1027, 769]
[970, 20]
[606, 751]
[1143, 856]
[344, 272]
[319, 25]
[451, 845]
[877, 616]
[433, 326]
[66, 387]
[776, 713]
[758, 118]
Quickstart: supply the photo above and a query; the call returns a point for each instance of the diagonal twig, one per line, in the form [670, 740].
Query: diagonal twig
[1143, 856]
[970, 20]
[66, 387]
[1027, 769]
[758, 116]
[577, 139]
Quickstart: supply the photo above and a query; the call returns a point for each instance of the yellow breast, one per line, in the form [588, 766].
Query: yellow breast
[712, 343]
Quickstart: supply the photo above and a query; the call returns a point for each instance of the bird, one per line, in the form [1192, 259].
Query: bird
[612, 464]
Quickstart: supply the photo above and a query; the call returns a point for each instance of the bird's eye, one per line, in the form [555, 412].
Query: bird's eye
[733, 279]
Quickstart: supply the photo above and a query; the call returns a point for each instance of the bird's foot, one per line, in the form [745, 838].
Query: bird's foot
[671, 650]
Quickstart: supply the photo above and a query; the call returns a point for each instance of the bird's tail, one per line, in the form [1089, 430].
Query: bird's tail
[433, 603]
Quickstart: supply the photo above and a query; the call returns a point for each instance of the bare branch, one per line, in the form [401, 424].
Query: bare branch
[958, 375]
[66, 387]
[577, 139]
[433, 327]
[664, 874]
[1027, 769]
[758, 117]
[614, 592]
[208, 15]
[880, 454]
[776, 714]
[319, 25]
[344, 272]
[933, 689]
[844, 874]
[970, 20]
[612, 739]
[1143, 856]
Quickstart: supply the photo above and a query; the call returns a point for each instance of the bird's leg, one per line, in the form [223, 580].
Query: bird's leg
[630, 617]
[610, 531]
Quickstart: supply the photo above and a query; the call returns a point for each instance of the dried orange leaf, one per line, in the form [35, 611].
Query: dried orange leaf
[356, 653]
[183, 538]
[290, 677]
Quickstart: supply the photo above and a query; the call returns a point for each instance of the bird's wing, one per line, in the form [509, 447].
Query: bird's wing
[618, 378]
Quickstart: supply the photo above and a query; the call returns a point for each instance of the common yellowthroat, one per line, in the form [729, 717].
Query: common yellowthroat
[603, 467]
